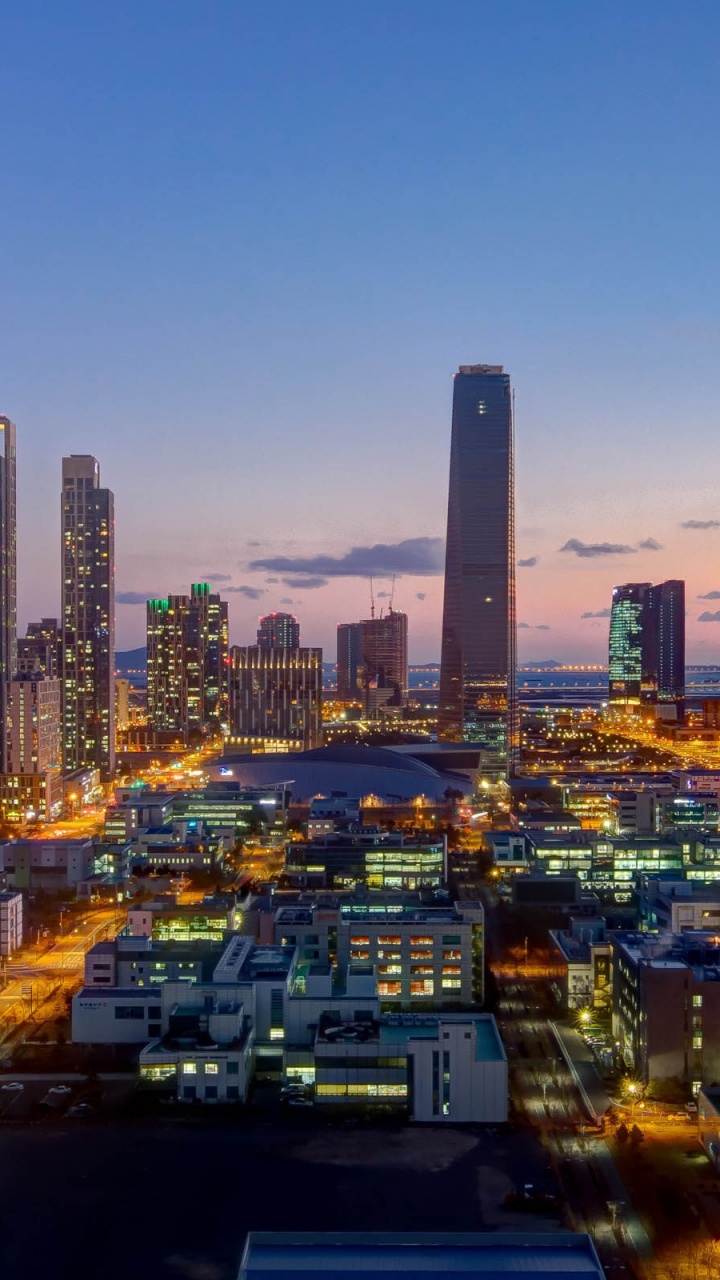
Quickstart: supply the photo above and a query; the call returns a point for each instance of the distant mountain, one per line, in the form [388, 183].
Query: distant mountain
[548, 665]
[131, 660]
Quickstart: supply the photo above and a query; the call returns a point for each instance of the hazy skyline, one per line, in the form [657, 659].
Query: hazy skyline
[244, 250]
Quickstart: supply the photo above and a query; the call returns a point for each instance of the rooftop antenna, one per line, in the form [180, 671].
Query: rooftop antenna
[372, 599]
[392, 595]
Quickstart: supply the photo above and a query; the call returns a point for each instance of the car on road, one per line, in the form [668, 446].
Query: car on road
[60, 1090]
[13, 1086]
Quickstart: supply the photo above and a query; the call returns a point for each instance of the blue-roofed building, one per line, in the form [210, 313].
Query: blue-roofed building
[497, 1255]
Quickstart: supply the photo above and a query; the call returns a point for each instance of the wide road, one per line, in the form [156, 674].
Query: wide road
[544, 1093]
[34, 976]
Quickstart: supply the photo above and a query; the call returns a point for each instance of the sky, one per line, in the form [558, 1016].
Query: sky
[244, 247]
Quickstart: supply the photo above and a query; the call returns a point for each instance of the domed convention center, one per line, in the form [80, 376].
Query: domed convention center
[394, 777]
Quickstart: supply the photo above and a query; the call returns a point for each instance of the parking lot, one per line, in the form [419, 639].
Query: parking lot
[181, 1193]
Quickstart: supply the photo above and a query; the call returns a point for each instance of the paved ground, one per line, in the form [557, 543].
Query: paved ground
[174, 1199]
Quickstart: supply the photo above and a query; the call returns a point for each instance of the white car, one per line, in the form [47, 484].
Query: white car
[13, 1087]
[60, 1089]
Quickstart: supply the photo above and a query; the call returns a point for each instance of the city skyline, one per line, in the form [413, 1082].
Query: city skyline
[421, 556]
[226, 261]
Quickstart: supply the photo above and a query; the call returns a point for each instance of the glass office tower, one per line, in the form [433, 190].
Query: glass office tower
[477, 678]
[647, 647]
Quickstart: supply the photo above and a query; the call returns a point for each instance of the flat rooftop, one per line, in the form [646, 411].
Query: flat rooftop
[396, 1028]
[493, 1255]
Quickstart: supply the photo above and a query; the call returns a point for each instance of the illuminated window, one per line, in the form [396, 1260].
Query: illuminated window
[422, 987]
[277, 1033]
[211, 1068]
[389, 988]
[697, 1002]
[189, 1068]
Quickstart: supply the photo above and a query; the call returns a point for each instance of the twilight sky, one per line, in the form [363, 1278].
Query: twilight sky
[244, 246]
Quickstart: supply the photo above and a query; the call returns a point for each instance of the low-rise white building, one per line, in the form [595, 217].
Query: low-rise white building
[11, 922]
[440, 1067]
[206, 1055]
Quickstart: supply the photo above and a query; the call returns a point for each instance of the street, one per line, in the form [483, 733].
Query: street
[36, 976]
[545, 1095]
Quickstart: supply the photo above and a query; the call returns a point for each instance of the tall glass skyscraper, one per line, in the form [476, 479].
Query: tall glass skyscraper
[477, 678]
[8, 571]
[647, 647]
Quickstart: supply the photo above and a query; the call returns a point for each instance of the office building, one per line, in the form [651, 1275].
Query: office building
[425, 956]
[88, 616]
[439, 1068]
[349, 661]
[40, 650]
[187, 659]
[206, 1054]
[278, 631]
[276, 693]
[477, 676]
[647, 648]
[666, 1005]
[377, 859]
[53, 866]
[8, 566]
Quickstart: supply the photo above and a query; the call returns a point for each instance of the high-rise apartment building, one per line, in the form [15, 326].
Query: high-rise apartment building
[41, 648]
[276, 693]
[34, 738]
[477, 679]
[88, 617]
[187, 660]
[8, 566]
[278, 631]
[31, 780]
[647, 647]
